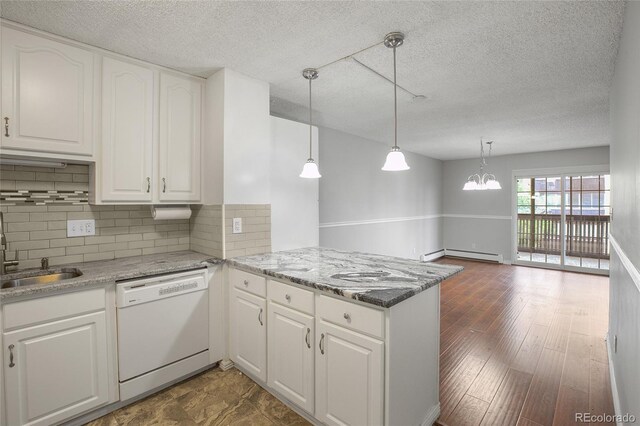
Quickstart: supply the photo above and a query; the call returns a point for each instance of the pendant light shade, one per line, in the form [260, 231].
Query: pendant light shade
[310, 168]
[395, 158]
[395, 161]
[471, 185]
[482, 181]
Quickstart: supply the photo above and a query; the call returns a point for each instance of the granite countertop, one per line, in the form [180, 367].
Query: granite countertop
[109, 271]
[370, 278]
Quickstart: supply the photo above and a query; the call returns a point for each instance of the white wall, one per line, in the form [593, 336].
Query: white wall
[237, 140]
[624, 300]
[294, 200]
[365, 209]
[481, 220]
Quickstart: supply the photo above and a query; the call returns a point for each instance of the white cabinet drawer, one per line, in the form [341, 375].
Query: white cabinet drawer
[353, 316]
[33, 311]
[251, 283]
[290, 296]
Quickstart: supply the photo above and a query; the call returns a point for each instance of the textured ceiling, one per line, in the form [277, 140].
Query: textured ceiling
[533, 76]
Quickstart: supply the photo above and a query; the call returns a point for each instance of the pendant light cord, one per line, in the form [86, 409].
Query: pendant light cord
[395, 102]
[310, 123]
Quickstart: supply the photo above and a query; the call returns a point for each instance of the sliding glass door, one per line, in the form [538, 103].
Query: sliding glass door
[563, 221]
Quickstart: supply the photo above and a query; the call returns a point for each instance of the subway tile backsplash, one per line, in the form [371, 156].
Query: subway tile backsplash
[121, 231]
[37, 202]
[37, 227]
[256, 229]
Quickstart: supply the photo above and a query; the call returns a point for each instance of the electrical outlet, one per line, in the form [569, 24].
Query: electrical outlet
[473, 245]
[80, 228]
[237, 225]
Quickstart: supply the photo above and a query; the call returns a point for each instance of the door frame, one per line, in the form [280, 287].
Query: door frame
[550, 172]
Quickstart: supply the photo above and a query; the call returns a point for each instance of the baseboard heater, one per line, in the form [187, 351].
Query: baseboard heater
[476, 255]
[432, 256]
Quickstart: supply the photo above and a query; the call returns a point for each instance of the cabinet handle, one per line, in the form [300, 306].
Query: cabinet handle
[322, 344]
[246, 283]
[148, 184]
[11, 363]
[260, 316]
[6, 126]
[164, 185]
[286, 296]
[306, 338]
[347, 316]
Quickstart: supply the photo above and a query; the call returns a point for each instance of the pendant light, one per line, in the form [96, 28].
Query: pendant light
[482, 181]
[395, 158]
[310, 169]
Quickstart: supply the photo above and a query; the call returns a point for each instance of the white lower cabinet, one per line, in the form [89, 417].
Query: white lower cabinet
[56, 370]
[349, 377]
[248, 332]
[290, 357]
[324, 355]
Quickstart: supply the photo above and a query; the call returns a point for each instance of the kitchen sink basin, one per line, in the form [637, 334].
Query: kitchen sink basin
[46, 277]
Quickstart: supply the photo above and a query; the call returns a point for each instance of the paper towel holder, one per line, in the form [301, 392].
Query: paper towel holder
[170, 212]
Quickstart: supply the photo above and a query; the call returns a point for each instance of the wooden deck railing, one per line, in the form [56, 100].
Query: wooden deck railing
[587, 236]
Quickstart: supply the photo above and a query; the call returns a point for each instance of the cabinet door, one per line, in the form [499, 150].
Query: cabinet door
[47, 95]
[180, 115]
[290, 350]
[127, 132]
[59, 370]
[248, 333]
[349, 377]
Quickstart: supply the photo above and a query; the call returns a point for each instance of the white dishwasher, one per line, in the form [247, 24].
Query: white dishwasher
[163, 329]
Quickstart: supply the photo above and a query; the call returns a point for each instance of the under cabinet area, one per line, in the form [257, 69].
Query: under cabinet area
[47, 97]
[57, 357]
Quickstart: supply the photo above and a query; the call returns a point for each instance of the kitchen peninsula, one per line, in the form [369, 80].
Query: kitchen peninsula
[373, 320]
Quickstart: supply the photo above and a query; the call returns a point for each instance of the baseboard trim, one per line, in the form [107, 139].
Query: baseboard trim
[476, 255]
[226, 364]
[432, 416]
[614, 385]
[626, 262]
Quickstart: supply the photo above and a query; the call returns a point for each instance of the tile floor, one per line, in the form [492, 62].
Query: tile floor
[214, 397]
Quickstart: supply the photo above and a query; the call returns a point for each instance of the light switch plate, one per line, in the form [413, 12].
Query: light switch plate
[81, 228]
[237, 225]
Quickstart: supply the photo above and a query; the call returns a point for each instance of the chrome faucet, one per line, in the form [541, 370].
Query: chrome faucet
[4, 263]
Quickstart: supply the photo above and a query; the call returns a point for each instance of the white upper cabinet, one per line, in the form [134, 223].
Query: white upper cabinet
[127, 132]
[180, 128]
[47, 95]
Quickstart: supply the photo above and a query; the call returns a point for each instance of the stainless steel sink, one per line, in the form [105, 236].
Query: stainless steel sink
[46, 277]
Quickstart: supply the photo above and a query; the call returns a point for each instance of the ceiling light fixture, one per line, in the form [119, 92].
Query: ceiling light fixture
[395, 158]
[482, 181]
[310, 169]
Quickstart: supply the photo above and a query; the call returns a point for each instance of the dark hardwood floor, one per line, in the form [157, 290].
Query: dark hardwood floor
[522, 346]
